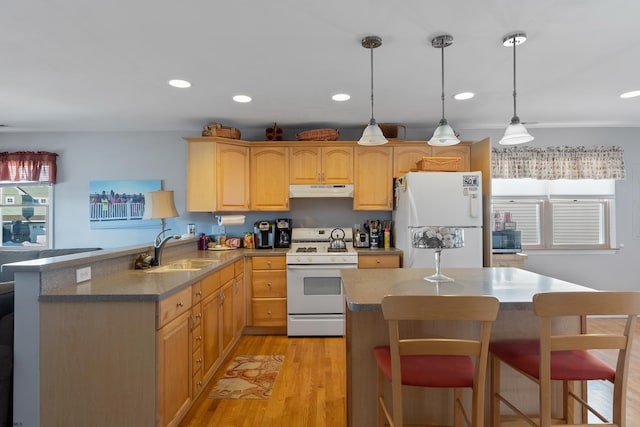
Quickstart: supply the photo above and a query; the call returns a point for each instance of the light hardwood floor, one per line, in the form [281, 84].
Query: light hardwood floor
[310, 389]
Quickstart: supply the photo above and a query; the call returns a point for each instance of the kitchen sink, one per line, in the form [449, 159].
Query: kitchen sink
[184, 265]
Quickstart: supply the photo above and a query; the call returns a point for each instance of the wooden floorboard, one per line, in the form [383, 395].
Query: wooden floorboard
[310, 390]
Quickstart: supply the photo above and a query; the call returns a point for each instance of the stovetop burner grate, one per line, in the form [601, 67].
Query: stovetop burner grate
[307, 249]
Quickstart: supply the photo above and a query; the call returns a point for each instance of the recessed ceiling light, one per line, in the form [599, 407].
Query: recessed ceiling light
[631, 94]
[341, 97]
[182, 84]
[242, 98]
[464, 95]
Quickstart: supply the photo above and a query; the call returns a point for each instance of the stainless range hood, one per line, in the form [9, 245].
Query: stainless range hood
[320, 190]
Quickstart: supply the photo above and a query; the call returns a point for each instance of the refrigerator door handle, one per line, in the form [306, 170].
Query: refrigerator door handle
[475, 201]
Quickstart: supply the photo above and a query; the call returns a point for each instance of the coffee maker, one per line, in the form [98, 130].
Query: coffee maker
[283, 233]
[264, 234]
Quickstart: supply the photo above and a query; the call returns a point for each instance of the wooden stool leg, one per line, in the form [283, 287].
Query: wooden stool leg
[380, 399]
[494, 388]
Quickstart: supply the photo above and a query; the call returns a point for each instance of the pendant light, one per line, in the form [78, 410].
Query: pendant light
[372, 134]
[444, 134]
[516, 133]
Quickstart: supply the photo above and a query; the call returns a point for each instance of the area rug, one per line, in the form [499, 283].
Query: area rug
[248, 377]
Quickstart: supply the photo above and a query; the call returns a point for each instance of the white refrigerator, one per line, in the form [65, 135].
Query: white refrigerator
[439, 199]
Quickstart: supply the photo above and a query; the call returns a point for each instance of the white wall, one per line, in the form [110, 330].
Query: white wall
[84, 157]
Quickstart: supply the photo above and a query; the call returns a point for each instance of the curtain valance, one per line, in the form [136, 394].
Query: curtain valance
[558, 163]
[28, 166]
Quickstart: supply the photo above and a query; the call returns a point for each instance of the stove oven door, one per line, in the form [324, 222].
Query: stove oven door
[315, 300]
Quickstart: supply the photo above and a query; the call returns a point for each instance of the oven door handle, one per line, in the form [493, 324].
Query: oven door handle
[320, 266]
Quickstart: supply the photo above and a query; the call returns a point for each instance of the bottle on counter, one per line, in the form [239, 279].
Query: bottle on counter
[202, 242]
[387, 238]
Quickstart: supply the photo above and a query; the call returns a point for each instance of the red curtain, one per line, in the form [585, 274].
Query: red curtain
[32, 166]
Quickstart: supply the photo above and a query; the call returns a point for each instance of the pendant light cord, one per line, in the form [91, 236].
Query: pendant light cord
[514, 77]
[442, 75]
[372, 121]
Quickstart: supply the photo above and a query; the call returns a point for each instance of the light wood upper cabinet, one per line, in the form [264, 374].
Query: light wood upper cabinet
[269, 178]
[321, 165]
[461, 151]
[217, 176]
[373, 186]
[405, 158]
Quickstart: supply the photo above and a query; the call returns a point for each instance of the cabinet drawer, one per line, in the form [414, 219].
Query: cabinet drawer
[196, 292]
[269, 311]
[196, 337]
[227, 274]
[383, 261]
[197, 382]
[210, 284]
[197, 360]
[269, 284]
[269, 263]
[196, 312]
[173, 306]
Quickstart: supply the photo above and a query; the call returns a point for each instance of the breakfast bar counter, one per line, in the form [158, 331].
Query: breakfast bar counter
[366, 328]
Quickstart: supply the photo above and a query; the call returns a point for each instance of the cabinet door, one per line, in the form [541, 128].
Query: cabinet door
[405, 158]
[174, 372]
[210, 334]
[201, 176]
[232, 177]
[270, 179]
[337, 165]
[373, 187]
[306, 164]
[239, 304]
[226, 315]
[462, 151]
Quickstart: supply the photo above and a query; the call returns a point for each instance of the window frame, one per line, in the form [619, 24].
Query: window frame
[47, 221]
[546, 221]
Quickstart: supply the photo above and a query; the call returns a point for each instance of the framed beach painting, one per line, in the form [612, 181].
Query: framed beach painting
[120, 204]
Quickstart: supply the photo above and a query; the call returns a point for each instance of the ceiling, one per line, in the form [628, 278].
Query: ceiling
[75, 65]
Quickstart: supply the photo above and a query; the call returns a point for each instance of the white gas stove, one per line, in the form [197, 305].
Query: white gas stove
[315, 298]
[312, 246]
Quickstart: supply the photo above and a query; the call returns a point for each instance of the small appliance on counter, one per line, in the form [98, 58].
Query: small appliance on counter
[283, 233]
[264, 232]
[507, 242]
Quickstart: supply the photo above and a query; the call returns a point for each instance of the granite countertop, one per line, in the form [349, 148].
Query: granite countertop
[514, 287]
[143, 285]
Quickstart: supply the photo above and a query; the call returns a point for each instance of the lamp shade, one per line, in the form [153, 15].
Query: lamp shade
[443, 135]
[159, 205]
[516, 133]
[372, 135]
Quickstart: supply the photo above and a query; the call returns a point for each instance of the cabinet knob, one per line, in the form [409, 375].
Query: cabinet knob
[199, 338]
[269, 284]
[199, 383]
[180, 304]
[199, 315]
[199, 360]
[377, 261]
[269, 312]
[199, 293]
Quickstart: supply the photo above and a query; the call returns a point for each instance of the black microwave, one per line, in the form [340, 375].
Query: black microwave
[507, 242]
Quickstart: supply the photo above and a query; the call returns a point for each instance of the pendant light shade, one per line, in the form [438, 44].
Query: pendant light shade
[372, 133]
[444, 134]
[515, 133]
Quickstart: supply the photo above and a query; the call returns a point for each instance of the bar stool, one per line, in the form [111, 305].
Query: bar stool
[442, 362]
[566, 357]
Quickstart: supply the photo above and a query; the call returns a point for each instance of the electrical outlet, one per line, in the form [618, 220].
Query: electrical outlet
[83, 274]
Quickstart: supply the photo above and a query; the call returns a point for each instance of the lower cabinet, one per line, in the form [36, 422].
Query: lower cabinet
[269, 292]
[137, 363]
[174, 373]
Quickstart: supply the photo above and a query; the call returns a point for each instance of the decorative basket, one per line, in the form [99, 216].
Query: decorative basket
[216, 129]
[274, 133]
[391, 130]
[438, 164]
[319, 135]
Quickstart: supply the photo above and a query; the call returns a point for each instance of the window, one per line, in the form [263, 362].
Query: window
[561, 214]
[26, 220]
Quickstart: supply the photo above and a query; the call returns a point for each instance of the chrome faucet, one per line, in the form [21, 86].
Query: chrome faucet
[159, 243]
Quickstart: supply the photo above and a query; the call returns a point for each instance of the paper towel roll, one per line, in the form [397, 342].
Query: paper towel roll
[224, 220]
